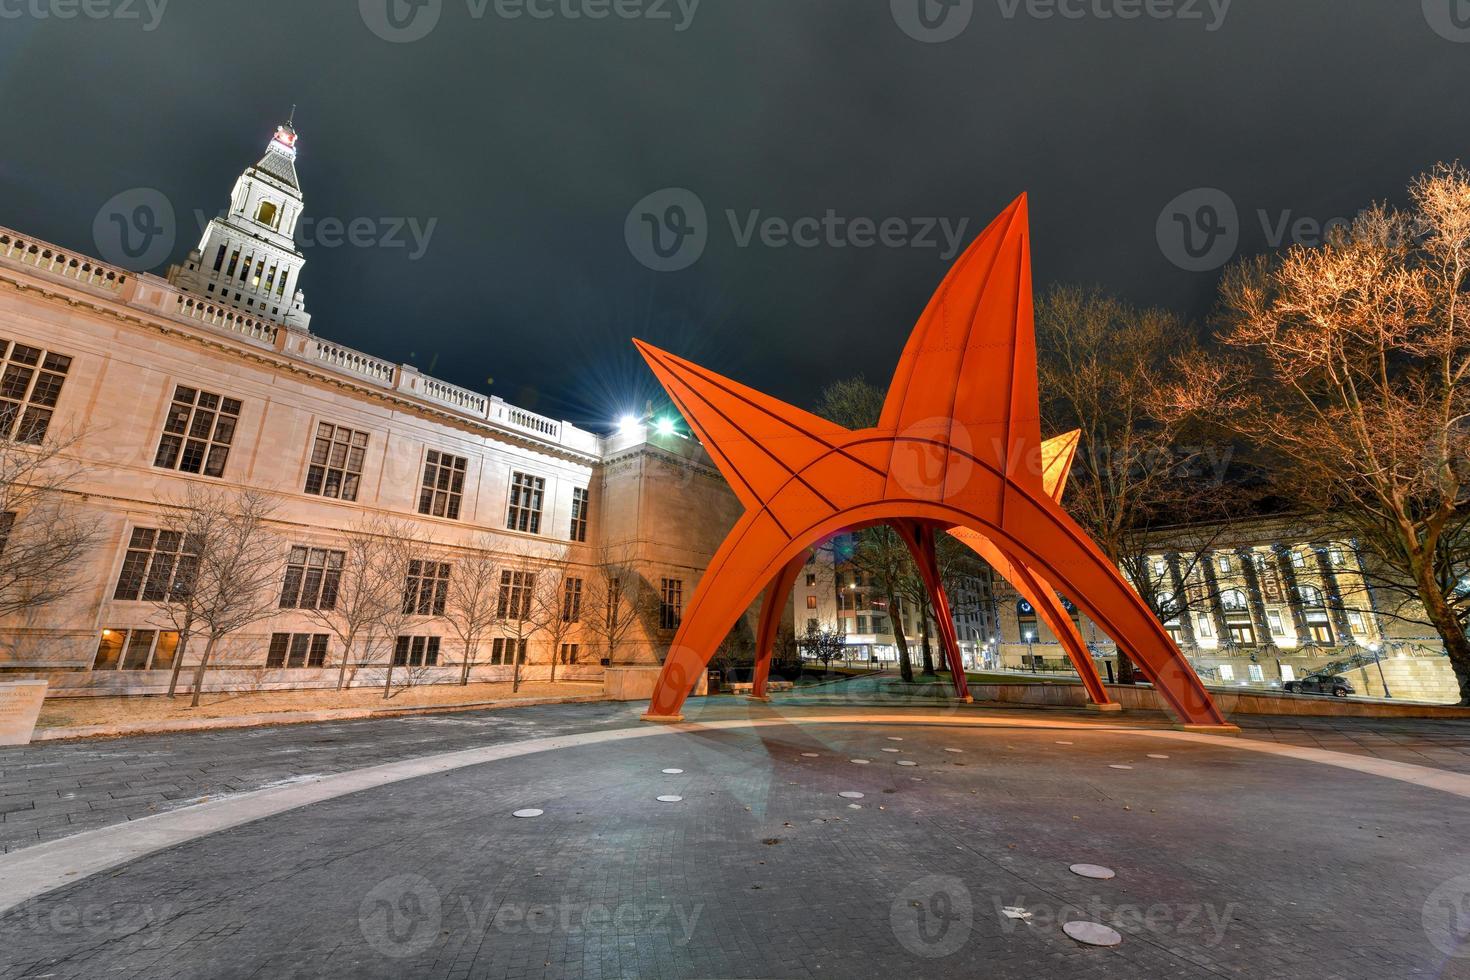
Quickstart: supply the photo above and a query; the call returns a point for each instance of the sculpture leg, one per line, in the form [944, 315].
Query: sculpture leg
[919, 537]
[770, 623]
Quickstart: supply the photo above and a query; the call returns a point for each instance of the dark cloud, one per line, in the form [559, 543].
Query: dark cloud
[529, 141]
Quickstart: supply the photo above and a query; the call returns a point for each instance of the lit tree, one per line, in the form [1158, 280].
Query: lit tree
[1106, 368]
[615, 598]
[1348, 364]
[518, 616]
[823, 645]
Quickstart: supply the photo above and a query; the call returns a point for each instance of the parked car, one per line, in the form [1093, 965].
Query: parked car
[1337, 687]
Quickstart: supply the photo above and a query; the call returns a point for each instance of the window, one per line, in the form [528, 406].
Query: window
[515, 595]
[1277, 628]
[1161, 568]
[1224, 563]
[1298, 560]
[416, 651]
[296, 650]
[570, 652]
[443, 488]
[811, 625]
[811, 602]
[571, 603]
[1227, 672]
[427, 588]
[1257, 673]
[503, 651]
[1311, 596]
[1233, 600]
[267, 214]
[158, 565]
[1336, 557]
[198, 432]
[862, 624]
[526, 493]
[7, 521]
[123, 649]
[30, 384]
[1355, 619]
[670, 603]
[1204, 628]
[580, 500]
[336, 462]
[811, 581]
[614, 602]
[1243, 634]
[313, 576]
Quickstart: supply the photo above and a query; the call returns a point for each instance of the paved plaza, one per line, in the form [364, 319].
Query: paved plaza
[1305, 848]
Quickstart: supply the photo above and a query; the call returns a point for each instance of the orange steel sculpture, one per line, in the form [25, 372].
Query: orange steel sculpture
[958, 446]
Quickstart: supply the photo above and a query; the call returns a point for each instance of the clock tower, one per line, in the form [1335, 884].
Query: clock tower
[247, 258]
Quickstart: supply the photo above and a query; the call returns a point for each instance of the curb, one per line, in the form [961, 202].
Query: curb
[273, 718]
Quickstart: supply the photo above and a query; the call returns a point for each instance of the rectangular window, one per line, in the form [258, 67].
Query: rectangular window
[1355, 622]
[1227, 672]
[670, 603]
[313, 576]
[811, 625]
[526, 493]
[1204, 627]
[141, 649]
[1277, 628]
[158, 565]
[443, 488]
[571, 603]
[30, 385]
[198, 432]
[811, 602]
[7, 521]
[811, 581]
[336, 462]
[427, 588]
[570, 652]
[503, 651]
[862, 624]
[614, 602]
[1298, 560]
[1336, 557]
[416, 651]
[515, 595]
[1257, 673]
[296, 650]
[1161, 568]
[580, 500]
[1224, 562]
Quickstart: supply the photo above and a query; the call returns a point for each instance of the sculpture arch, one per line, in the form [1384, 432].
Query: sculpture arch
[958, 446]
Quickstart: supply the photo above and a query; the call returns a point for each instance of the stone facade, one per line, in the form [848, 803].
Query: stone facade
[254, 394]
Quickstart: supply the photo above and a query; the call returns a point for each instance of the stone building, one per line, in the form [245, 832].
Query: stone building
[213, 377]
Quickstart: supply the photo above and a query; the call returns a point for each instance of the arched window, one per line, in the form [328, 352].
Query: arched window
[267, 214]
[1233, 600]
[1311, 596]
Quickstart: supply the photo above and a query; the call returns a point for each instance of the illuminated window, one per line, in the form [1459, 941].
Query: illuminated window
[267, 214]
[125, 649]
[811, 602]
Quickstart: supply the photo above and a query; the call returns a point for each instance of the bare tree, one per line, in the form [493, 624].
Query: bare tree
[360, 591]
[558, 598]
[423, 593]
[474, 595]
[43, 539]
[227, 571]
[518, 615]
[614, 597]
[1348, 364]
[1107, 368]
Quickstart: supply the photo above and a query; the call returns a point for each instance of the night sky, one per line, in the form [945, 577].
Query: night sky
[528, 141]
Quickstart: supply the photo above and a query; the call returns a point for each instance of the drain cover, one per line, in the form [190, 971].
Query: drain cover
[1093, 871]
[1092, 933]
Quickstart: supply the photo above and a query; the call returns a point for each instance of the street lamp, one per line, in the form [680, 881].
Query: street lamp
[1374, 647]
[1030, 658]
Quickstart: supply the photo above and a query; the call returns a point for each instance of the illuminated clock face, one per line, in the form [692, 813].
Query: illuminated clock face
[285, 139]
